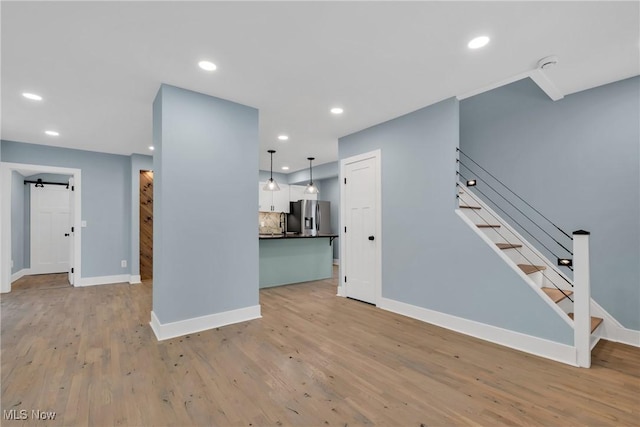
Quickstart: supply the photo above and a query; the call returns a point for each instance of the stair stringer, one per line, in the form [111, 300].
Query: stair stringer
[515, 268]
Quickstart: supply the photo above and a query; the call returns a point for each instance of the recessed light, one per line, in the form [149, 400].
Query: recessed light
[52, 133]
[337, 110]
[32, 96]
[283, 137]
[207, 65]
[285, 168]
[478, 42]
[151, 147]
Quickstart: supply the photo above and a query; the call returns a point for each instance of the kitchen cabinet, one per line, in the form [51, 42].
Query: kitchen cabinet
[296, 192]
[273, 201]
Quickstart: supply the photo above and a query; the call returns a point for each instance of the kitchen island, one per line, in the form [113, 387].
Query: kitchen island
[294, 258]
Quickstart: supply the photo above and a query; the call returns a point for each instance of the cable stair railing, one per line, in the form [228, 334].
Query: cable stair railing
[481, 210]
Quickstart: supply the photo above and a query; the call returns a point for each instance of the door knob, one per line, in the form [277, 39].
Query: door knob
[66, 234]
[371, 237]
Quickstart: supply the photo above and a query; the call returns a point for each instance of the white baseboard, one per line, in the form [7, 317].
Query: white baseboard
[134, 279]
[611, 329]
[336, 261]
[529, 344]
[197, 324]
[102, 280]
[19, 274]
[622, 335]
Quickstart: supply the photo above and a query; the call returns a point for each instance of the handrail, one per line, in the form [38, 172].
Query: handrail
[514, 193]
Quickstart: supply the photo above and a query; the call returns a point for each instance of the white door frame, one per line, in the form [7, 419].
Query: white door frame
[5, 216]
[377, 156]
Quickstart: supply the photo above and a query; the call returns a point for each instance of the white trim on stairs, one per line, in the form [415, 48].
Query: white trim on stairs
[135, 279]
[562, 353]
[188, 326]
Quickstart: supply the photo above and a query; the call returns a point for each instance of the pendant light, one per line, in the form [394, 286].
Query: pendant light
[271, 185]
[311, 188]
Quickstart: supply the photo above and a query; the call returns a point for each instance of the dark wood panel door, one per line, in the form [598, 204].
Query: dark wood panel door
[146, 225]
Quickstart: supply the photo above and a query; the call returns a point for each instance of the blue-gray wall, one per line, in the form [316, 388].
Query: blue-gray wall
[17, 222]
[330, 191]
[139, 163]
[280, 178]
[430, 257]
[320, 172]
[105, 201]
[577, 161]
[205, 202]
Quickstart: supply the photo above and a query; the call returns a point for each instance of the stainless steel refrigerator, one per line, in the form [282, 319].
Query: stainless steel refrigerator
[309, 217]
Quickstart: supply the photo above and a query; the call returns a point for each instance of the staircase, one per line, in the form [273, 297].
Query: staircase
[556, 286]
[548, 280]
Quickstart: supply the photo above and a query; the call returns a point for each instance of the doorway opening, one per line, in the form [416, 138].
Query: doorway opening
[146, 225]
[59, 212]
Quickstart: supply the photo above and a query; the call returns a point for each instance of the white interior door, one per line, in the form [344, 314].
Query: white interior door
[360, 238]
[50, 229]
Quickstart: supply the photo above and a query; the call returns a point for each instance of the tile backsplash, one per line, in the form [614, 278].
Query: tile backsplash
[269, 222]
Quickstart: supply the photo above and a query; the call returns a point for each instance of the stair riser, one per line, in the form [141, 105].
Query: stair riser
[537, 278]
[514, 255]
[566, 305]
[498, 235]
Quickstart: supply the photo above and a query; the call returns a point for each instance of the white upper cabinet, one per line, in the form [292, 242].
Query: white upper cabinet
[278, 201]
[273, 201]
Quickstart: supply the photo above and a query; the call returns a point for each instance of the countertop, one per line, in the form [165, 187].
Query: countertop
[294, 236]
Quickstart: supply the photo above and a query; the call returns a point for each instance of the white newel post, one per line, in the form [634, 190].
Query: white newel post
[582, 298]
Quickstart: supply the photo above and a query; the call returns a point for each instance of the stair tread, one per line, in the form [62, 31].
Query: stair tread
[469, 207]
[556, 295]
[488, 225]
[529, 269]
[595, 321]
[508, 245]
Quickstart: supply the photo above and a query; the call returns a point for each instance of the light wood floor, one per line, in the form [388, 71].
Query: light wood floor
[314, 359]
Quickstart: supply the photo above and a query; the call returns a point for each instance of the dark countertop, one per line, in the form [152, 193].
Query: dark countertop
[294, 236]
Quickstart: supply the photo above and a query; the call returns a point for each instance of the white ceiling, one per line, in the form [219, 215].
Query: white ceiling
[99, 65]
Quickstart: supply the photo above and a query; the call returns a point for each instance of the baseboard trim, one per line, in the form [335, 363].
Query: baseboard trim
[611, 329]
[189, 326]
[622, 335]
[20, 274]
[135, 279]
[102, 280]
[562, 353]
